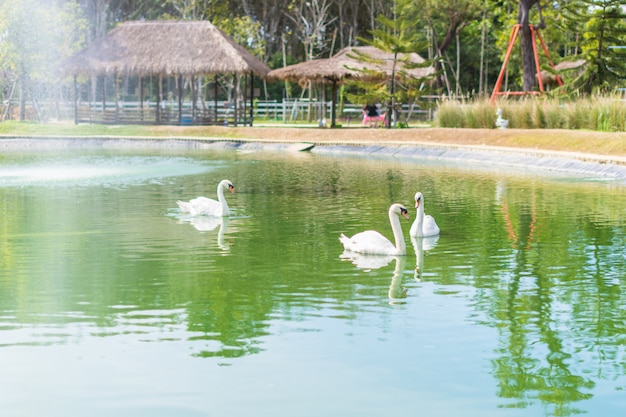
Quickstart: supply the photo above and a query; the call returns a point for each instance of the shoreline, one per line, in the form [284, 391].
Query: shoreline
[501, 158]
[600, 152]
[601, 147]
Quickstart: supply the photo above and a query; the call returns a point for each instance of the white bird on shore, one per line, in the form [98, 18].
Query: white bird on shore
[207, 206]
[500, 122]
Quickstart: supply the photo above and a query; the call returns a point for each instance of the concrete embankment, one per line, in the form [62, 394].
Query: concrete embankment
[496, 157]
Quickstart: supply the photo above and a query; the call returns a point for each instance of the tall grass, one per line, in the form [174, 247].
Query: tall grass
[605, 113]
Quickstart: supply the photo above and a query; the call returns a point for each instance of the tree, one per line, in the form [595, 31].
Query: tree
[36, 38]
[529, 76]
[396, 36]
[312, 19]
[444, 19]
[602, 44]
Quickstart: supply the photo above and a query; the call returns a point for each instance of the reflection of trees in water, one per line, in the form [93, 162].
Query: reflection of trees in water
[557, 317]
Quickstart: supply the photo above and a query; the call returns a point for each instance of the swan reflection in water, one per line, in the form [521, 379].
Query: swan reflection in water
[366, 262]
[396, 291]
[370, 262]
[422, 244]
[207, 224]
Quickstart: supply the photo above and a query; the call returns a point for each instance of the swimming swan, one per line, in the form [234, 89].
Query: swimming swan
[424, 224]
[371, 242]
[208, 206]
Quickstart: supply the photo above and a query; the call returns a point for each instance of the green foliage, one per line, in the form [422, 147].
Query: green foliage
[245, 32]
[396, 36]
[211, 10]
[36, 38]
[602, 26]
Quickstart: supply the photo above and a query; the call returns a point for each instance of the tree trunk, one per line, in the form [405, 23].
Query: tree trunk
[528, 57]
[22, 99]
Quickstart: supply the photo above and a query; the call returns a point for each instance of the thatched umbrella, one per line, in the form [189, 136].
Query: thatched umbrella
[160, 48]
[346, 64]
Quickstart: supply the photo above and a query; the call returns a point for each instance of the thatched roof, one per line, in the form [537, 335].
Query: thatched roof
[165, 48]
[345, 64]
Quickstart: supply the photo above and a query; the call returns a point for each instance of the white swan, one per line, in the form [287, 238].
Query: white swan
[208, 206]
[424, 224]
[372, 242]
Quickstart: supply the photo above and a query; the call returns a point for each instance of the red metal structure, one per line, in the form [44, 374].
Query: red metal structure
[514, 33]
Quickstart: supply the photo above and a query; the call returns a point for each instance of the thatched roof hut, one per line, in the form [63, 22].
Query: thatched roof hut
[158, 49]
[347, 63]
[165, 48]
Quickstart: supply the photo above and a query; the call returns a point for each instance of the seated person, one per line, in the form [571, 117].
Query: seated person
[371, 114]
[370, 110]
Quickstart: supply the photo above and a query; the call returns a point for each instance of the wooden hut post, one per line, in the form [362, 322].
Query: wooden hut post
[158, 100]
[244, 96]
[333, 106]
[180, 99]
[215, 99]
[251, 98]
[90, 96]
[193, 98]
[116, 92]
[141, 93]
[104, 95]
[75, 101]
[235, 93]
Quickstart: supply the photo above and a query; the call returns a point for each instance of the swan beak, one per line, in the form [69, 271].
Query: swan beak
[231, 188]
[417, 203]
[405, 214]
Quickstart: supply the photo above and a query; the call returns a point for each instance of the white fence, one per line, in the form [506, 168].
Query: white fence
[132, 112]
[290, 111]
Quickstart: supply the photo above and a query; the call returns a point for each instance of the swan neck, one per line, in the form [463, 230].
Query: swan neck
[418, 224]
[220, 197]
[397, 233]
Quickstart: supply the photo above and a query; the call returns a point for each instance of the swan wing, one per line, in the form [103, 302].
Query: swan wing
[185, 206]
[202, 206]
[430, 226]
[208, 206]
[368, 242]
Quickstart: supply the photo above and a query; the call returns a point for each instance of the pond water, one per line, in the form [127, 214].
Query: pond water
[112, 302]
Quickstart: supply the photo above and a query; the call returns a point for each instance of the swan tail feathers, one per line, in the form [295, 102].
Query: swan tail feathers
[345, 241]
[186, 207]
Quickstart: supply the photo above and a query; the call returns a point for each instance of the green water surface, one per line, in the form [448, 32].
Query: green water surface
[113, 303]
